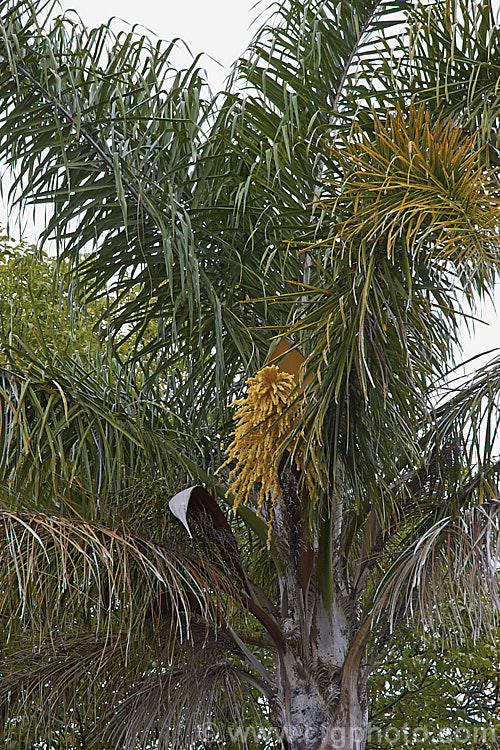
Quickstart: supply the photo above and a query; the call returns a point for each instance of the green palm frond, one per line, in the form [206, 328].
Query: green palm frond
[468, 413]
[78, 433]
[314, 49]
[442, 56]
[126, 120]
[447, 60]
[120, 132]
[117, 130]
[131, 156]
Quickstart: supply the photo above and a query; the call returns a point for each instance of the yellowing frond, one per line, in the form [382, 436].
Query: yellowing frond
[419, 185]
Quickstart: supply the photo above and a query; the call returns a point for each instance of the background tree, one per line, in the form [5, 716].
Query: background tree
[36, 306]
[430, 692]
[340, 194]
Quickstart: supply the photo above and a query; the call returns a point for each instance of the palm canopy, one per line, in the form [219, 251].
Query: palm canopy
[343, 194]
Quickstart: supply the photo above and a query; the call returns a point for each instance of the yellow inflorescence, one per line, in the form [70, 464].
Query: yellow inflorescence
[264, 420]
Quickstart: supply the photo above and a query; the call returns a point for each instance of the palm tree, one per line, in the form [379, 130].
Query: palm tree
[340, 198]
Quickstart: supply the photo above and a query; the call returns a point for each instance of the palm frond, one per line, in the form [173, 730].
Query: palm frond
[65, 573]
[116, 128]
[448, 575]
[178, 202]
[442, 55]
[81, 433]
[446, 59]
[420, 184]
[468, 413]
[140, 690]
[171, 705]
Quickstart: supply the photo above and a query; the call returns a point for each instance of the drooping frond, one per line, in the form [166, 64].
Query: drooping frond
[448, 575]
[125, 118]
[128, 692]
[64, 573]
[200, 695]
[81, 433]
[445, 57]
[469, 413]
[315, 48]
[109, 131]
[419, 185]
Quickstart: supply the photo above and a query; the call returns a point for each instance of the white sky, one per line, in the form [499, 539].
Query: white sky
[222, 29]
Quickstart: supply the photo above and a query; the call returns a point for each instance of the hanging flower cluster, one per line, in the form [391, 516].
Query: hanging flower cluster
[264, 420]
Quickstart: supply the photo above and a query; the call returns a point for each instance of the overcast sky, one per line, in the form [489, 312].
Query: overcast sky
[222, 29]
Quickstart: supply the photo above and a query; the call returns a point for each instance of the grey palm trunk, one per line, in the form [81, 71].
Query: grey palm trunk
[321, 697]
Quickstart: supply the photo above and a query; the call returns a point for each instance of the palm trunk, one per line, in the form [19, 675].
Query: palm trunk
[320, 689]
[311, 719]
[321, 695]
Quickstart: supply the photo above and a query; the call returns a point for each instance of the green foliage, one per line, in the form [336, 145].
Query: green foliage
[430, 692]
[36, 304]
